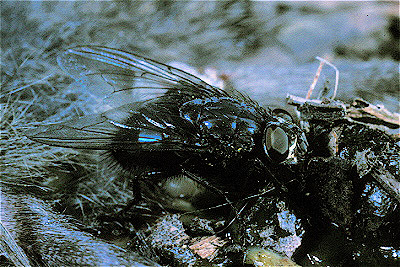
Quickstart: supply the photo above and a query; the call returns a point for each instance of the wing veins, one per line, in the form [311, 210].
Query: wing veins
[156, 66]
[134, 63]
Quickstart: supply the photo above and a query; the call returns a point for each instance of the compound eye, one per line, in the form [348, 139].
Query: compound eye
[276, 143]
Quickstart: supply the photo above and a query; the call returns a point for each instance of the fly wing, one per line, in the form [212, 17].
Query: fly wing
[91, 132]
[141, 126]
[156, 124]
[127, 71]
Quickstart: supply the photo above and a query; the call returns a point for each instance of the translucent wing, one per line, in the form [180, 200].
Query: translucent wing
[156, 124]
[146, 125]
[92, 132]
[126, 71]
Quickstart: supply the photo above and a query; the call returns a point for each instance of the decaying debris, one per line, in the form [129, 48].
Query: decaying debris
[263, 258]
[352, 175]
[361, 110]
[169, 239]
[367, 162]
[206, 247]
[325, 109]
[387, 181]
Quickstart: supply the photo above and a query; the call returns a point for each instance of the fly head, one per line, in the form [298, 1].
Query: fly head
[283, 141]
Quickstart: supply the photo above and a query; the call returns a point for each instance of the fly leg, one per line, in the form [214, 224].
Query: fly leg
[211, 187]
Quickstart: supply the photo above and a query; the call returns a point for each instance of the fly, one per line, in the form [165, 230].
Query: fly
[192, 127]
